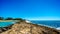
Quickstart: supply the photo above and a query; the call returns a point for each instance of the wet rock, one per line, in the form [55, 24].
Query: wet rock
[3, 29]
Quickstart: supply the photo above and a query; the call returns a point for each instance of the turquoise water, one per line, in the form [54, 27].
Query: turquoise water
[5, 24]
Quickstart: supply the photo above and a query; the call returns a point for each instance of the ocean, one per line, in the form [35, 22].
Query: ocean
[53, 24]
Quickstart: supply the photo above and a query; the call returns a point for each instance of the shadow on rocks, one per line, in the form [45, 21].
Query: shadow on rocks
[3, 29]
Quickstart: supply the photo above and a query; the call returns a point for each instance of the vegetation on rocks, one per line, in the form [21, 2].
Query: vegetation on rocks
[9, 18]
[1, 18]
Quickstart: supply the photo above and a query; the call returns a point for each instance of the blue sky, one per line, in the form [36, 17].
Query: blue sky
[30, 9]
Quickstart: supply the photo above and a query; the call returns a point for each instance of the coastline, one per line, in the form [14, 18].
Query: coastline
[8, 20]
[29, 28]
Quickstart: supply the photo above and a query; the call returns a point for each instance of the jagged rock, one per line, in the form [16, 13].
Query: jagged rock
[0, 30]
[3, 29]
[28, 28]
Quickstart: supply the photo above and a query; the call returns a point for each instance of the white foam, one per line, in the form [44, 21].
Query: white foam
[28, 21]
[46, 25]
[58, 28]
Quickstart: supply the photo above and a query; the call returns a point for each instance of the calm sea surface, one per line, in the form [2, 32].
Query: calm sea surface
[5, 24]
[54, 24]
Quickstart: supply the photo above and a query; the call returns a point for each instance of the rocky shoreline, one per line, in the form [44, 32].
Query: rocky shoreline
[3, 29]
[28, 28]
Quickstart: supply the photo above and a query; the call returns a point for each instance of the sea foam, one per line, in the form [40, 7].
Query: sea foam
[58, 28]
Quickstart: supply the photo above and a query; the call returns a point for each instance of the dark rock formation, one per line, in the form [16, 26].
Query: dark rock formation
[3, 29]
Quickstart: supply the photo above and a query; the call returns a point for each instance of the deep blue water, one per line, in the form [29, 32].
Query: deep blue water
[54, 24]
[5, 24]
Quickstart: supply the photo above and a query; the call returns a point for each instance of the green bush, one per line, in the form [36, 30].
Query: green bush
[9, 18]
[1, 18]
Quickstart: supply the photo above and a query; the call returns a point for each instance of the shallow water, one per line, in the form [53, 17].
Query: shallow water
[5, 24]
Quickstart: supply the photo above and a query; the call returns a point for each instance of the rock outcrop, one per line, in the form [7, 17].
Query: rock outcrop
[3, 29]
[28, 28]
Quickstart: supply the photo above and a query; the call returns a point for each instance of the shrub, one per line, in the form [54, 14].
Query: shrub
[9, 18]
[1, 18]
